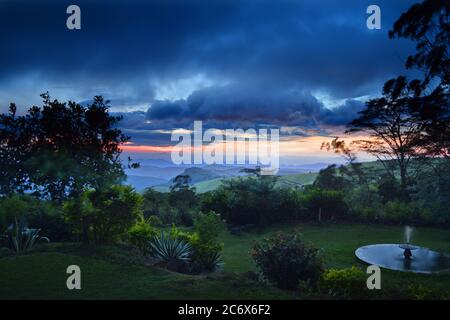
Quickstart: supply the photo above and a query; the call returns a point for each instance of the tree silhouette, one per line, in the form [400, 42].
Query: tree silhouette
[395, 133]
[428, 24]
[60, 149]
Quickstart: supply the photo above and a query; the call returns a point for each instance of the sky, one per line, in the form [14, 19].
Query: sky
[303, 66]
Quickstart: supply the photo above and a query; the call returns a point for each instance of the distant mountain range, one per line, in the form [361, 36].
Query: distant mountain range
[159, 173]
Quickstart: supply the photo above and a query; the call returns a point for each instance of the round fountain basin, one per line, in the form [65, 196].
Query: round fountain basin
[390, 256]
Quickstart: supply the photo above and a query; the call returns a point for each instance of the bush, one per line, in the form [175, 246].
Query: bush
[205, 256]
[52, 225]
[140, 234]
[154, 221]
[209, 226]
[347, 283]
[175, 207]
[105, 216]
[329, 203]
[286, 260]
[205, 253]
[11, 207]
[251, 201]
[41, 214]
[421, 292]
[398, 212]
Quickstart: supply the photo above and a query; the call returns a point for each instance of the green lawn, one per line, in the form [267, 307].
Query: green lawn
[113, 273]
[338, 244]
[42, 276]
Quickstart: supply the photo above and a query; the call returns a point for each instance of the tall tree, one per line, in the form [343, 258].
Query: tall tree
[394, 131]
[428, 24]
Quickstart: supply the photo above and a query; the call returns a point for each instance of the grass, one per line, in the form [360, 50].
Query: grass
[111, 272]
[42, 275]
[284, 181]
[338, 244]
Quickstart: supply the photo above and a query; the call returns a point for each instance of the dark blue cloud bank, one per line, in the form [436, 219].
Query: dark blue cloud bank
[230, 63]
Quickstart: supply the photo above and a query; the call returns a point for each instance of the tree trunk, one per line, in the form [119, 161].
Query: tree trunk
[404, 183]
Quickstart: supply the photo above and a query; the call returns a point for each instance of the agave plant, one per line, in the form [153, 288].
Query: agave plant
[168, 248]
[209, 261]
[212, 261]
[20, 238]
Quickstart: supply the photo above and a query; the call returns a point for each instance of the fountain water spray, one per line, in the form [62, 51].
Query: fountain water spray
[408, 233]
[407, 247]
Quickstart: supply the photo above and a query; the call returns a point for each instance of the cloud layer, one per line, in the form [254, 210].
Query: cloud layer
[232, 63]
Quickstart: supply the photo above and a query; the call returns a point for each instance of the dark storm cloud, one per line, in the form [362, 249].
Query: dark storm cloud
[251, 105]
[266, 60]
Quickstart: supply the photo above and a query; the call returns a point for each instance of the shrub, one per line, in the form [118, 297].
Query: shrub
[140, 234]
[251, 201]
[154, 221]
[209, 226]
[421, 292]
[52, 225]
[349, 283]
[105, 216]
[329, 203]
[41, 214]
[206, 249]
[15, 205]
[286, 260]
[398, 212]
[205, 256]
[205, 253]
[169, 215]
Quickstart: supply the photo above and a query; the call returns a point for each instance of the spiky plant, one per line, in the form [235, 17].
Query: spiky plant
[168, 249]
[209, 261]
[20, 238]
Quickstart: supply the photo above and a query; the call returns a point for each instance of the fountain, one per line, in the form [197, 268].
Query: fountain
[407, 253]
[405, 256]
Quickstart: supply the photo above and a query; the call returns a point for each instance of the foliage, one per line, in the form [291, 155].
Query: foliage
[422, 292]
[40, 213]
[427, 23]
[14, 205]
[154, 221]
[170, 249]
[179, 206]
[251, 200]
[105, 215]
[209, 226]
[52, 225]
[329, 204]
[349, 283]
[141, 233]
[328, 179]
[401, 213]
[207, 250]
[20, 238]
[388, 188]
[60, 148]
[395, 131]
[285, 260]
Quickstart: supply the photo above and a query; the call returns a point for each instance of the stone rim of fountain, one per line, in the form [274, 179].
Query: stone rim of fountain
[359, 254]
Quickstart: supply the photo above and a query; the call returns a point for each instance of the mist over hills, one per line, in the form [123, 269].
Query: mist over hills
[159, 173]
